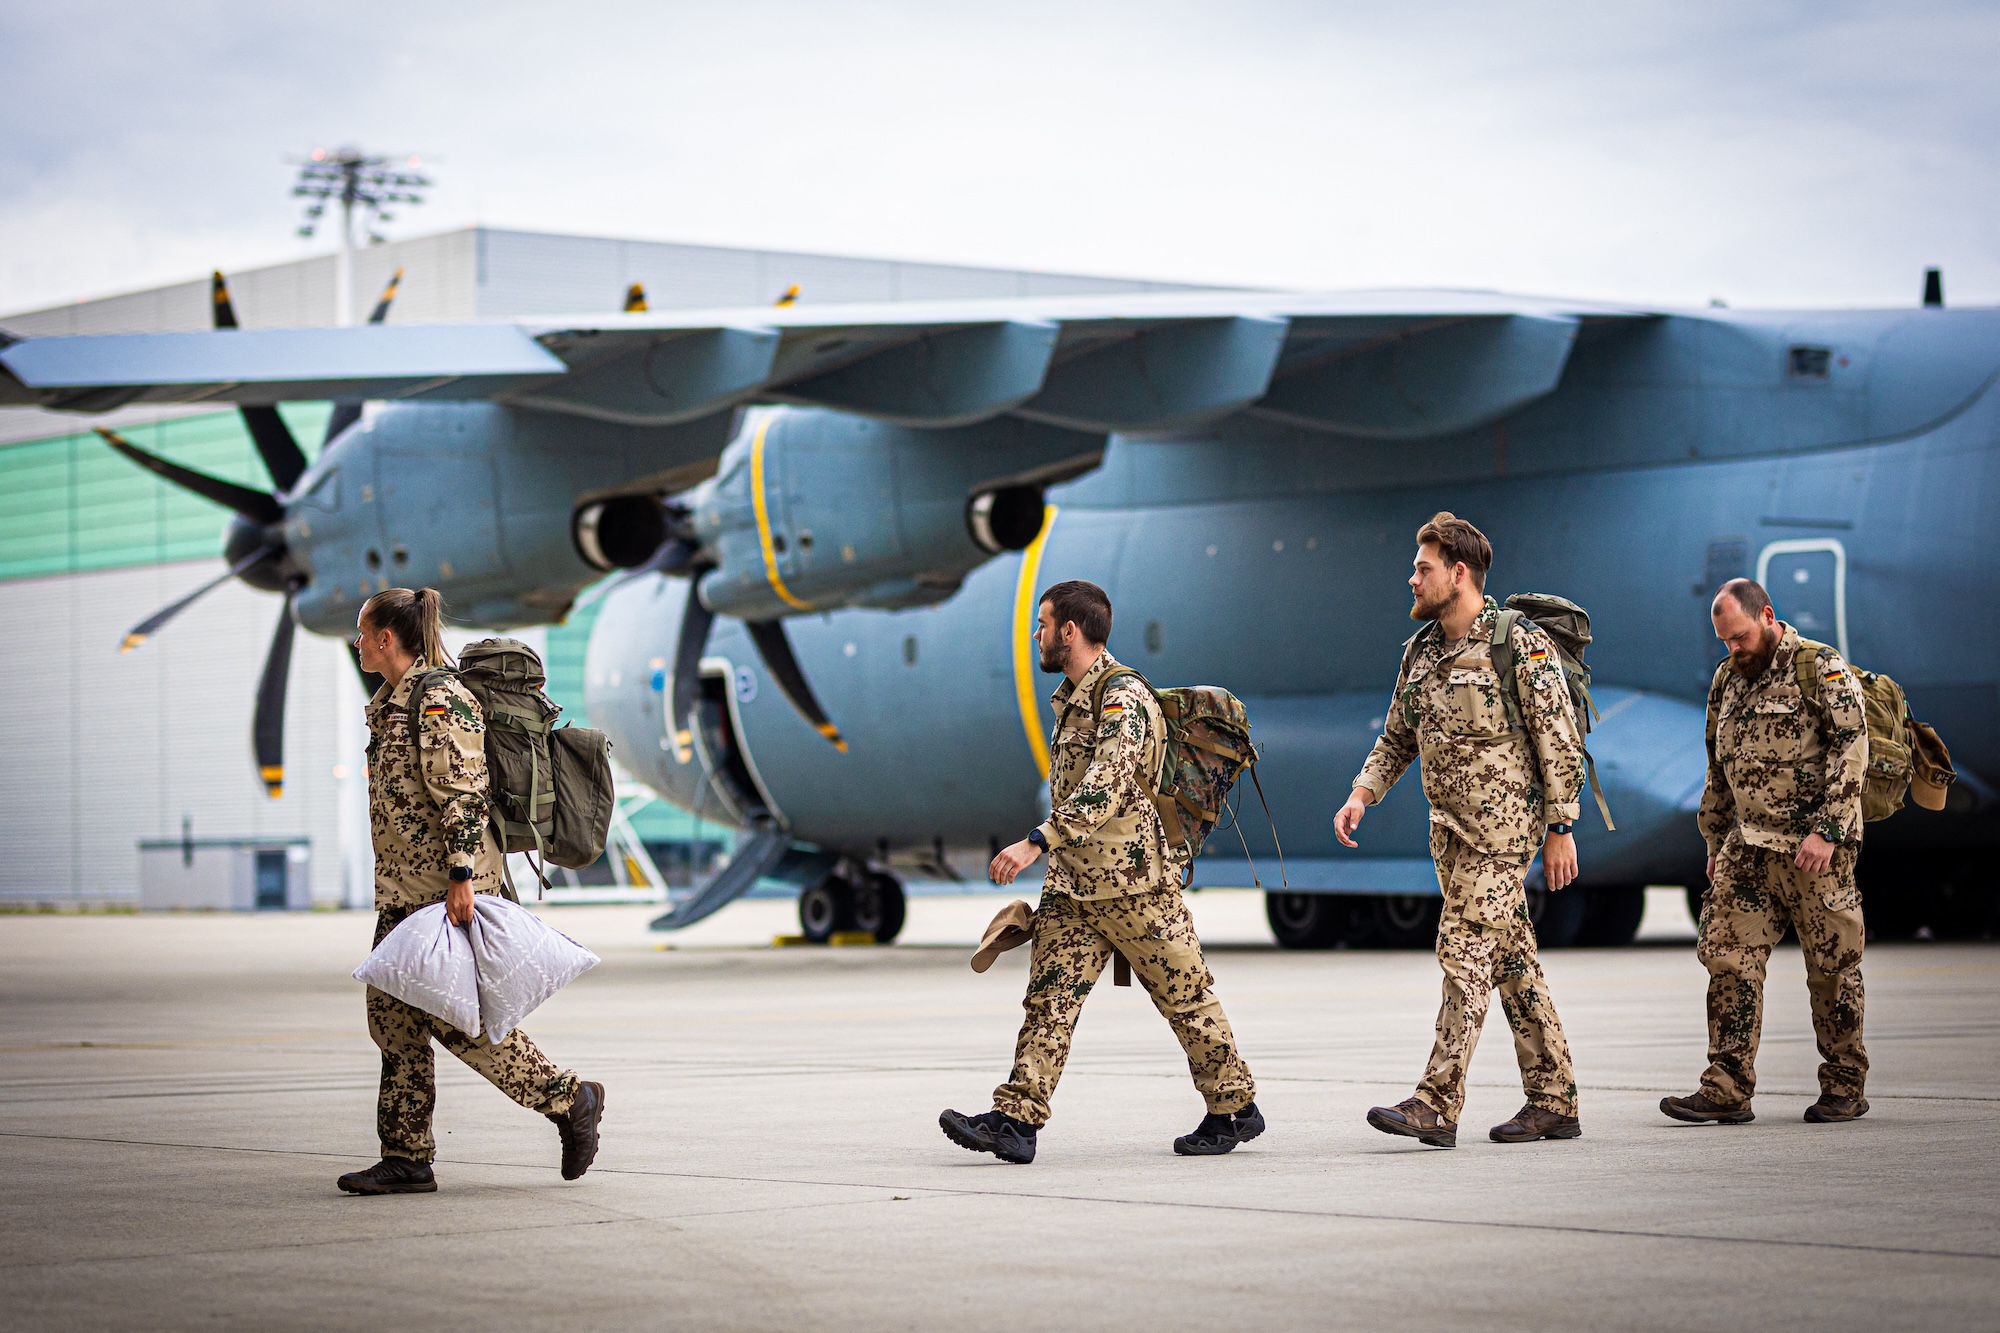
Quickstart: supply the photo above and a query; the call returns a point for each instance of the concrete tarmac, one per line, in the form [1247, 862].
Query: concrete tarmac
[178, 1093]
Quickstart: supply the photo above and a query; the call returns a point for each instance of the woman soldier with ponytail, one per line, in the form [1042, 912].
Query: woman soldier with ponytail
[427, 807]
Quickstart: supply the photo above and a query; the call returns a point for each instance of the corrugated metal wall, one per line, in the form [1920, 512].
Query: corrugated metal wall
[104, 748]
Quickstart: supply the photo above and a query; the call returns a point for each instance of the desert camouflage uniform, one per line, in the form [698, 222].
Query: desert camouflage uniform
[1489, 815]
[428, 817]
[1113, 883]
[1781, 765]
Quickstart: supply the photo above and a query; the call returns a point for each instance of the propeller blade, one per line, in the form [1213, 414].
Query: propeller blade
[258, 506]
[371, 681]
[347, 411]
[282, 456]
[225, 310]
[381, 311]
[150, 626]
[267, 731]
[775, 647]
[695, 622]
[635, 299]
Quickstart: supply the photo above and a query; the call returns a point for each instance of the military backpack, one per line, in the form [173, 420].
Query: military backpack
[1568, 628]
[1901, 750]
[1207, 750]
[551, 790]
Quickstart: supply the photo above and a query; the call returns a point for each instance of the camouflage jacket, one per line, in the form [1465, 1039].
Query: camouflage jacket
[1494, 786]
[1104, 833]
[428, 816]
[1782, 765]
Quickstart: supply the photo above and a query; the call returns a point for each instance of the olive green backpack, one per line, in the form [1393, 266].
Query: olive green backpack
[551, 787]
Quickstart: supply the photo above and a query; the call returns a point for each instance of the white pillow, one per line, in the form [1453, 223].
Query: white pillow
[428, 963]
[522, 961]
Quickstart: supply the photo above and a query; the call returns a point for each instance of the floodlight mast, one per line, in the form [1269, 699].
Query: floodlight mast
[357, 180]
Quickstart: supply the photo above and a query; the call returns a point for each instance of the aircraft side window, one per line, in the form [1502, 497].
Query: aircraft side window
[1810, 363]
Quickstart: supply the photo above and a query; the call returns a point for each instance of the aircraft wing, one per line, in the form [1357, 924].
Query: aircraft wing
[1386, 365]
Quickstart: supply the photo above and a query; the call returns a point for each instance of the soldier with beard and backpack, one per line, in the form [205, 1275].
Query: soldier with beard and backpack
[1802, 751]
[1503, 767]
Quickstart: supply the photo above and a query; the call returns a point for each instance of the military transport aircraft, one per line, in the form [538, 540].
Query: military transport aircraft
[837, 518]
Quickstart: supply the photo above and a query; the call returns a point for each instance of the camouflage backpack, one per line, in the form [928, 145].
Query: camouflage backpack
[1897, 742]
[1568, 628]
[1207, 749]
[551, 788]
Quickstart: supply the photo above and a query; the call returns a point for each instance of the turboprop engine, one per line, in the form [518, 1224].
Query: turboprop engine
[813, 510]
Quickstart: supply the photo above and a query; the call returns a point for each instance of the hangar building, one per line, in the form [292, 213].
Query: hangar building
[118, 761]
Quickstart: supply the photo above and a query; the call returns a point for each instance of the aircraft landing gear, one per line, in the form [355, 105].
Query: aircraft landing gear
[1306, 920]
[866, 900]
[1557, 917]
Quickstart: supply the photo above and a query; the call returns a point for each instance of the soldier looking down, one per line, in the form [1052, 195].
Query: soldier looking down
[1495, 793]
[427, 808]
[1781, 814]
[1113, 884]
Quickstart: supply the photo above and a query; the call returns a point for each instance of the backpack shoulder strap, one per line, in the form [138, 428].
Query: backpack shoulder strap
[1805, 665]
[1169, 817]
[1504, 663]
[417, 692]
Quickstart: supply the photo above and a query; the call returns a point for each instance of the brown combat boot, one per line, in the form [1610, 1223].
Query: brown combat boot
[1832, 1110]
[1699, 1110]
[578, 1127]
[1532, 1122]
[1415, 1119]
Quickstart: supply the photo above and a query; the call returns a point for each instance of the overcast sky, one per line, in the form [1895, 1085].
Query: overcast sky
[1806, 154]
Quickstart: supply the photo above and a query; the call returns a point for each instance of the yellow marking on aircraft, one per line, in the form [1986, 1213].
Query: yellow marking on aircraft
[764, 520]
[1025, 610]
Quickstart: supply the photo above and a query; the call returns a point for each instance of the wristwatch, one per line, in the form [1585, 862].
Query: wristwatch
[461, 874]
[1561, 828]
[1036, 836]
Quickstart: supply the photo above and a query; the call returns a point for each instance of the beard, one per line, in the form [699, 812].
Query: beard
[1752, 662]
[1055, 660]
[1432, 607]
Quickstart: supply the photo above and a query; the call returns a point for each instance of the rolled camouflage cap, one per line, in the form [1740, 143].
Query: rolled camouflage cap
[1012, 928]
[1931, 770]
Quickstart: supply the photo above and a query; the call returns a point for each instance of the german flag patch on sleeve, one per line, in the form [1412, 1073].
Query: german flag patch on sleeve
[1538, 655]
[435, 710]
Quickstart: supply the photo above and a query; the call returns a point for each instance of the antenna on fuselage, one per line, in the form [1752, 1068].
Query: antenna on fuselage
[1934, 287]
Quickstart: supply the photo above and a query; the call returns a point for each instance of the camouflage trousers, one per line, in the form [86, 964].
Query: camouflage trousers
[1756, 892]
[1073, 941]
[1485, 943]
[409, 1077]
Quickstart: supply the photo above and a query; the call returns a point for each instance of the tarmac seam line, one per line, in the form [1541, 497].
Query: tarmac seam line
[1331, 1214]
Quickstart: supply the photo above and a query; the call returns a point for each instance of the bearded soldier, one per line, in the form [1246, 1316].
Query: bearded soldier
[1496, 793]
[1113, 885]
[1782, 817]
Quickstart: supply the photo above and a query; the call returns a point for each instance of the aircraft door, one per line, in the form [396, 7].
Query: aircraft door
[1807, 581]
[718, 742]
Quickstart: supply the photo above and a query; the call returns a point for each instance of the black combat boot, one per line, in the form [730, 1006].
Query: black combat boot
[1833, 1110]
[1218, 1134]
[578, 1127]
[391, 1175]
[1002, 1135]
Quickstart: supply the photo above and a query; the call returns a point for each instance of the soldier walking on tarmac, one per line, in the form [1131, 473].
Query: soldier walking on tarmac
[428, 790]
[1494, 791]
[1113, 885]
[1782, 818]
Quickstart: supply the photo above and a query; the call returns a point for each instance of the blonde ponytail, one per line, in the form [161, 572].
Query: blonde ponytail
[415, 618]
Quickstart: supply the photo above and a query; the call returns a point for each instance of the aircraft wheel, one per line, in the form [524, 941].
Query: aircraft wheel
[1557, 917]
[1305, 920]
[879, 907]
[825, 907]
[1611, 915]
[1407, 920]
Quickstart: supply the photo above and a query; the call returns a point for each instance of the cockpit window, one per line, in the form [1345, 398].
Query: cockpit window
[1810, 363]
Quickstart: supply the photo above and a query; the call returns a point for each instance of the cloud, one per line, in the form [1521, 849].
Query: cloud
[1770, 154]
